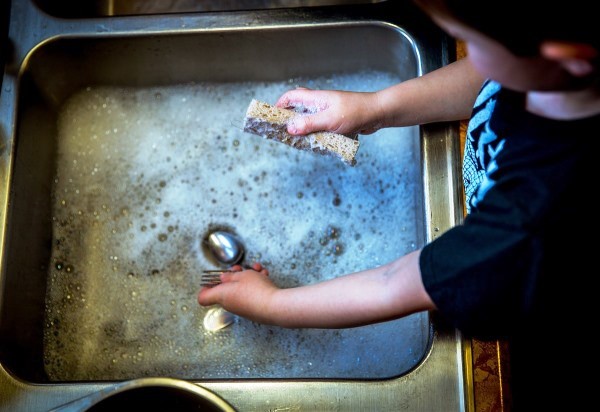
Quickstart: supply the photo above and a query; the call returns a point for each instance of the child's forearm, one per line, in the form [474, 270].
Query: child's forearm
[388, 292]
[446, 94]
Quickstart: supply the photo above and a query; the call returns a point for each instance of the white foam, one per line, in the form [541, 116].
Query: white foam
[143, 174]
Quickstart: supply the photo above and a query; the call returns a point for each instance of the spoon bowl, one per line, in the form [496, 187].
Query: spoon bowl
[225, 247]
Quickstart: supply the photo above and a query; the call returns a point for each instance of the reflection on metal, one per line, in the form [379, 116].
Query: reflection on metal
[217, 318]
[148, 394]
[225, 247]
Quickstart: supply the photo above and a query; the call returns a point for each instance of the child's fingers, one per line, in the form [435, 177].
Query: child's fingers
[234, 272]
[305, 124]
[211, 295]
[301, 97]
[228, 276]
[259, 268]
[207, 297]
[289, 99]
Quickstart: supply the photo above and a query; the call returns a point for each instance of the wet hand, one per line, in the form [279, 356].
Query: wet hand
[347, 113]
[245, 292]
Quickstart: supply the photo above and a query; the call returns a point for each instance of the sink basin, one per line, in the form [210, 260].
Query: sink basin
[124, 170]
[125, 150]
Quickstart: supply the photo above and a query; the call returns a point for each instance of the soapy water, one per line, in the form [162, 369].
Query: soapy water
[144, 173]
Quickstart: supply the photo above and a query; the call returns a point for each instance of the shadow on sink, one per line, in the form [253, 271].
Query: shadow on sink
[129, 151]
[96, 8]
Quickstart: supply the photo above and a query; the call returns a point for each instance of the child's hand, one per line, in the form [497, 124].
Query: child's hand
[341, 112]
[244, 292]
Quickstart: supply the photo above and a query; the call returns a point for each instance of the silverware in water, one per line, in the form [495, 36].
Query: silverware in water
[212, 277]
[225, 247]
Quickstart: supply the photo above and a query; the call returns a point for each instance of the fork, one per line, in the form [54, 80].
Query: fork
[213, 277]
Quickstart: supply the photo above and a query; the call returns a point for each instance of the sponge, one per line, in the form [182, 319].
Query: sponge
[270, 122]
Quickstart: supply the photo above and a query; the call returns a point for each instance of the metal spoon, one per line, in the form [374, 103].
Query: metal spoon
[218, 318]
[225, 247]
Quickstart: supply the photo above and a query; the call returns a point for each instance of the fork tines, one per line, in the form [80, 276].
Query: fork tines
[210, 279]
[213, 277]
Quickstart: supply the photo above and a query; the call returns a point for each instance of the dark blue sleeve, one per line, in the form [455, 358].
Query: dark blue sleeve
[481, 276]
[518, 252]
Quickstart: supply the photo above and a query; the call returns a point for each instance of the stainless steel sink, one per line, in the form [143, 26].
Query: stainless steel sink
[121, 150]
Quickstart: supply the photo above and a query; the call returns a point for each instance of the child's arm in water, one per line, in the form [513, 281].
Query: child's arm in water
[388, 292]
